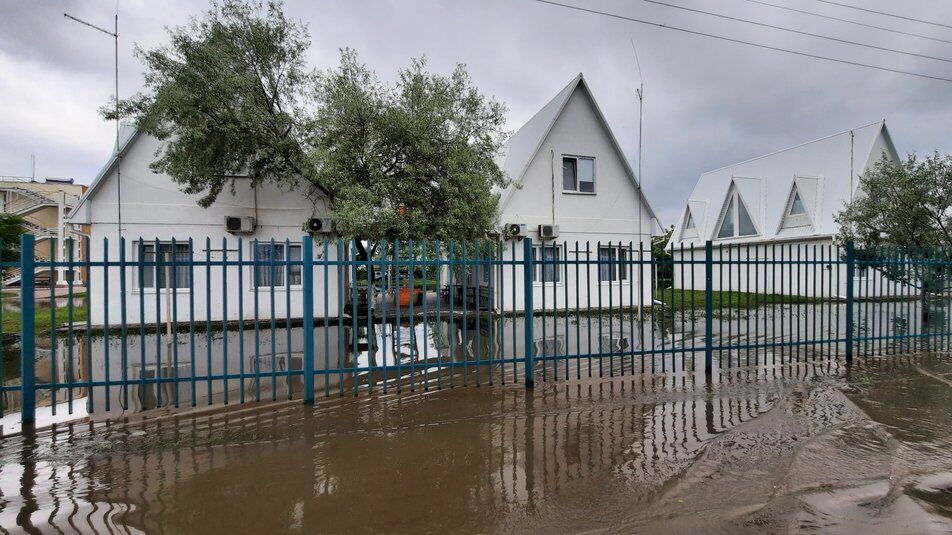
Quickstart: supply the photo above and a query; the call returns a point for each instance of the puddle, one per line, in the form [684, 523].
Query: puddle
[772, 448]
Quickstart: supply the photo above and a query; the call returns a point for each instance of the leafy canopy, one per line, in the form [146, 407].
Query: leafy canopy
[11, 227]
[901, 220]
[230, 95]
[906, 203]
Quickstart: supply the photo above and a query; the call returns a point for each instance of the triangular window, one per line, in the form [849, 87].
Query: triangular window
[689, 230]
[736, 222]
[797, 207]
[796, 214]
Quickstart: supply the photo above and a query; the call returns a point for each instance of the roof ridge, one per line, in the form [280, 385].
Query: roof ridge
[797, 146]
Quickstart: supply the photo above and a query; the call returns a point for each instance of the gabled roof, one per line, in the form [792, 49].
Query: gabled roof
[830, 166]
[519, 150]
[127, 137]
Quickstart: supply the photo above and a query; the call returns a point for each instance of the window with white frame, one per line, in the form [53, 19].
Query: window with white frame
[578, 174]
[689, 230]
[272, 269]
[796, 214]
[613, 263]
[547, 259]
[158, 269]
[736, 222]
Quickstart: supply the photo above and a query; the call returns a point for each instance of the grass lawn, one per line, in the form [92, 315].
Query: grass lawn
[13, 320]
[688, 299]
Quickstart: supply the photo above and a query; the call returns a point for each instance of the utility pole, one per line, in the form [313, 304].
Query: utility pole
[115, 36]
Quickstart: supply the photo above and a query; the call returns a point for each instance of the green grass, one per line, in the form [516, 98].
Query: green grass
[12, 321]
[694, 299]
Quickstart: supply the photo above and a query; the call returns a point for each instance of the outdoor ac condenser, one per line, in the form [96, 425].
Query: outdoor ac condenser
[240, 224]
[319, 225]
[515, 230]
[548, 232]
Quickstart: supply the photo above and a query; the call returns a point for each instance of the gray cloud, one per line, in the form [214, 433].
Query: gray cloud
[708, 103]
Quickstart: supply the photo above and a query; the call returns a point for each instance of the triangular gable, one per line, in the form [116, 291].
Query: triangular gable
[519, 150]
[800, 208]
[689, 227]
[736, 220]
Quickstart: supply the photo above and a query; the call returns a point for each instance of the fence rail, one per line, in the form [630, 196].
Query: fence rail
[160, 323]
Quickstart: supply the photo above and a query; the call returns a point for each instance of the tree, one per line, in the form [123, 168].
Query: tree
[11, 227]
[231, 95]
[901, 221]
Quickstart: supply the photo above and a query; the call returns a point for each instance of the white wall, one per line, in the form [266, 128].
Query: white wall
[153, 207]
[813, 268]
[612, 214]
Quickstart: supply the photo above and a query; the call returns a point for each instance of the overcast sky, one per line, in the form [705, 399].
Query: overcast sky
[708, 103]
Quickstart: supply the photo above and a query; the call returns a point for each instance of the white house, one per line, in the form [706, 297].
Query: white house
[568, 170]
[779, 207]
[153, 207]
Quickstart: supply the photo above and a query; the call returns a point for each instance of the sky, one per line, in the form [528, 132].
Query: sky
[708, 103]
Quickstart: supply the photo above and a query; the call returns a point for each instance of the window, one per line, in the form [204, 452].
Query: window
[267, 275]
[547, 263]
[154, 275]
[736, 222]
[797, 207]
[796, 212]
[689, 229]
[578, 174]
[613, 264]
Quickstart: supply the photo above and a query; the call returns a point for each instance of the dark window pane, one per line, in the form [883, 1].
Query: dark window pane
[569, 174]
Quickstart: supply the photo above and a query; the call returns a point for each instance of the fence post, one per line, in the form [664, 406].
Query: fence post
[27, 330]
[708, 307]
[307, 270]
[850, 268]
[528, 273]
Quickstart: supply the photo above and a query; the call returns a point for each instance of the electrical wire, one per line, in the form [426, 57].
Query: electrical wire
[849, 21]
[885, 14]
[799, 32]
[748, 43]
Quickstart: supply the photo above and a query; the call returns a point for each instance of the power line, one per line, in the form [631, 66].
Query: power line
[848, 21]
[799, 32]
[742, 42]
[903, 17]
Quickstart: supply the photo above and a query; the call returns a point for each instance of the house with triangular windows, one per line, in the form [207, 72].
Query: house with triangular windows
[777, 205]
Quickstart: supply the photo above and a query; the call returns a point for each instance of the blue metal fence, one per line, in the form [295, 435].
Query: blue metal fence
[256, 320]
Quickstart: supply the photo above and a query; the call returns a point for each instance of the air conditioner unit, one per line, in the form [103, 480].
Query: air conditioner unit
[240, 224]
[319, 225]
[515, 231]
[548, 232]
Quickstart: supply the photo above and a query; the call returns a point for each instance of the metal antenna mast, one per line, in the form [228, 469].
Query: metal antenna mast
[115, 36]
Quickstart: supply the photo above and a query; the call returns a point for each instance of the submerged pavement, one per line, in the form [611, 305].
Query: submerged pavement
[810, 446]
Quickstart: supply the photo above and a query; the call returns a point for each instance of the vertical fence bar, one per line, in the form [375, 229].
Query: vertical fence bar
[850, 262]
[27, 326]
[308, 289]
[708, 306]
[528, 271]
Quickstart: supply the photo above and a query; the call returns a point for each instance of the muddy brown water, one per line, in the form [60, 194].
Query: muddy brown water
[807, 447]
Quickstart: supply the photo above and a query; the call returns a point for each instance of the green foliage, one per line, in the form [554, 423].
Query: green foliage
[230, 95]
[225, 98]
[906, 203]
[11, 227]
[901, 220]
[408, 161]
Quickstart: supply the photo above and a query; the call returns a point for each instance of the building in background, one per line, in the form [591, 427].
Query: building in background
[44, 205]
[780, 209]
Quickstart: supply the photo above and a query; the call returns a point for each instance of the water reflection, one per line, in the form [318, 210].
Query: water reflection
[467, 460]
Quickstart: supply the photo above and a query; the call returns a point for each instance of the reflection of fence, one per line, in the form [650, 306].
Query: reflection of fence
[222, 326]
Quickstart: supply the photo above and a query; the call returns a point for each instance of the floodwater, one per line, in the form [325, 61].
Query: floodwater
[800, 447]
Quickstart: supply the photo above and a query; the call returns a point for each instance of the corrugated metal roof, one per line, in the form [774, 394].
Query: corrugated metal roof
[821, 169]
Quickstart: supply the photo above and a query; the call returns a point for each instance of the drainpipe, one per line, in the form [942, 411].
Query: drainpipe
[60, 238]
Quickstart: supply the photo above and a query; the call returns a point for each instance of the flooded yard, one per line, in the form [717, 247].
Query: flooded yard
[800, 447]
